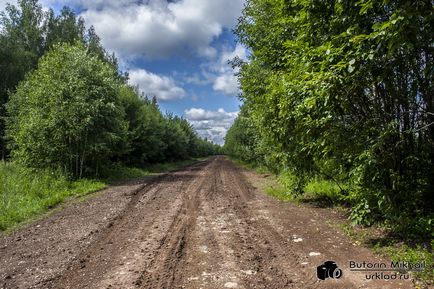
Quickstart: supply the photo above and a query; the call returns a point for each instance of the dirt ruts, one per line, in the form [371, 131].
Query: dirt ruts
[204, 226]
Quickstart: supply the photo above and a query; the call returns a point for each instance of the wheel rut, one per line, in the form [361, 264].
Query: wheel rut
[204, 226]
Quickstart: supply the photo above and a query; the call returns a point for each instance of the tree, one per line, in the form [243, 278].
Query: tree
[64, 28]
[21, 45]
[145, 136]
[67, 114]
[343, 90]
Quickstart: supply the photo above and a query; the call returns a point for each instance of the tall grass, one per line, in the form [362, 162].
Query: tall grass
[119, 172]
[25, 193]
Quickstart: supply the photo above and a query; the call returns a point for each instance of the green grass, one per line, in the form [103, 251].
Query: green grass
[417, 254]
[326, 193]
[118, 173]
[251, 166]
[396, 249]
[279, 192]
[26, 194]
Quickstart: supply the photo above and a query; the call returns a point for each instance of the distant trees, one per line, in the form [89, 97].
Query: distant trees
[343, 90]
[65, 105]
[242, 139]
[145, 135]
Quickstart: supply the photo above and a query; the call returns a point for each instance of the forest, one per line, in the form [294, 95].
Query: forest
[67, 113]
[66, 106]
[341, 93]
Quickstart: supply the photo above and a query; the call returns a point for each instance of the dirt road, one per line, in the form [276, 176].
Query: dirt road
[205, 226]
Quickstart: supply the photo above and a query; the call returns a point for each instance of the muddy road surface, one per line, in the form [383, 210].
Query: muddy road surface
[204, 226]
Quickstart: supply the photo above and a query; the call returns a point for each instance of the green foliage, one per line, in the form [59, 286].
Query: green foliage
[70, 113]
[241, 140]
[153, 137]
[325, 192]
[21, 44]
[81, 113]
[64, 28]
[66, 115]
[280, 193]
[145, 136]
[411, 253]
[342, 92]
[24, 193]
[26, 34]
[119, 172]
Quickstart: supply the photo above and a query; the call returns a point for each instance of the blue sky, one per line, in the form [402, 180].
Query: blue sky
[176, 50]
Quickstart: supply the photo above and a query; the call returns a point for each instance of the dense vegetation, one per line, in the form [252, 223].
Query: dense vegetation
[66, 107]
[67, 113]
[343, 91]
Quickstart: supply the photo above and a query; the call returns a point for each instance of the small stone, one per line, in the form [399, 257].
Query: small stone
[231, 285]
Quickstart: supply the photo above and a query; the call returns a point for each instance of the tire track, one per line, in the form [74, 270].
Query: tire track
[204, 226]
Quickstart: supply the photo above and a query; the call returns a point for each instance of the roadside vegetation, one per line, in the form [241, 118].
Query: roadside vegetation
[338, 101]
[69, 121]
[27, 193]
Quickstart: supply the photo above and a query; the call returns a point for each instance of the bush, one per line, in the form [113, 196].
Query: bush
[66, 115]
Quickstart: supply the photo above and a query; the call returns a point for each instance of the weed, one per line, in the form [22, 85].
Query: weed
[25, 193]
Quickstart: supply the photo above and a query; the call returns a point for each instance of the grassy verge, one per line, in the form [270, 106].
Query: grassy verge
[379, 238]
[118, 173]
[396, 249]
[257, 168]
[26, 194]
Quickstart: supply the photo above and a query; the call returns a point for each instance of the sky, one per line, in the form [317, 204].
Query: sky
[177, 50]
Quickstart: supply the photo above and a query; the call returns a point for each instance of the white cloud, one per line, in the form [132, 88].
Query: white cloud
[227, 81]
[220, 73]
[211, 124]
[163, 87]
[3, 4]
[157, 28]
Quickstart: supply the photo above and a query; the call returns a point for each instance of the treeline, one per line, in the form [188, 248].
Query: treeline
[343, 90]
[66, 106]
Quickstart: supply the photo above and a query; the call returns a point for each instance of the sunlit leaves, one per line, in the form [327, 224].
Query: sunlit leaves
[66, 115]
[339, 88]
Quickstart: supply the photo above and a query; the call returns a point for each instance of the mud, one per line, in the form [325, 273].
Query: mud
[205, 226]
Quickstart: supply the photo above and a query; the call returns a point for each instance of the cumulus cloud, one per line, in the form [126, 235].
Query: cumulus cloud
[212, 125]
[226, 80]
[158, 28]
[227, 83]
[220, 72]
[163, 87]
